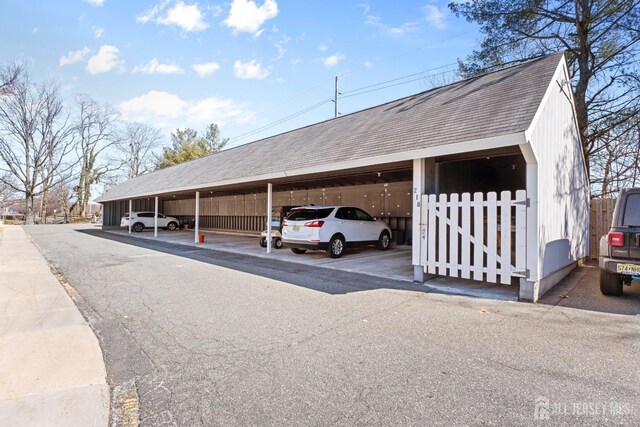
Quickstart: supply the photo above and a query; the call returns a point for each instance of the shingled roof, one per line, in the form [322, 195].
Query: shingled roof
[499, 103]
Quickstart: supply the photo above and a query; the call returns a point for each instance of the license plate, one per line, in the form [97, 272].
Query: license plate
[296, 228]
[628, 269]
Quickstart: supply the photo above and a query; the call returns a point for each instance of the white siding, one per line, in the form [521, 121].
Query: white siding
[563, 188]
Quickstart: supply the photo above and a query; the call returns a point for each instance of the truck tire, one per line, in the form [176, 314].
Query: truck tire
[610, 283]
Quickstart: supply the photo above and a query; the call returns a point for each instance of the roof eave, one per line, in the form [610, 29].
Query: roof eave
[513, 139]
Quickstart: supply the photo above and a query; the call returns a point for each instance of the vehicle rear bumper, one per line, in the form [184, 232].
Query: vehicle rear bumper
[304, 244]
[611, 264]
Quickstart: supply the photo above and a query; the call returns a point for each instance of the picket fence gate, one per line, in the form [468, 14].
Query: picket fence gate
[480, 239]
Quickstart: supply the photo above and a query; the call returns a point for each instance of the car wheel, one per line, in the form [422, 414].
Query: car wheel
[277, 243]
[172, 226]
[384, 242]
[336, 247]
[138, 227]
[610, 283]
[263, 242]
[298, 251]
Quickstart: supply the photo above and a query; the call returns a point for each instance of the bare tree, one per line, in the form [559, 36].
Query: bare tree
[137, 143]
[97, 135]
[59, 143]
[7, 194]
[615, 162]
[34, 138]
[62, 197]
[9, 75]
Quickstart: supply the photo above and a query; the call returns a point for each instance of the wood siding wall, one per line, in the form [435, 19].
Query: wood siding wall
[390, 202]
[601, 216]
[380, 200]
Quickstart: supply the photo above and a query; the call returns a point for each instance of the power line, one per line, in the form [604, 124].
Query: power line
[279, 121]
[421, 74]
[348, 94]
[426, 45]
[304, 92]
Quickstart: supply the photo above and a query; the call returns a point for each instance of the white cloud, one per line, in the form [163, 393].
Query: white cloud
[368, 65]
[250, 70]
[155, 67]
[402, 30]
[74, 56]
[97, 32]
[220, 111]
[323, 47]
[333, 60]
[281, 45]
[105, 60]
[152, 13]
[247, 16]
[154, 105]
[365, 7]
[206, 69]
[96, 3]
[188, 17]
[163, 107]
[35, 30]
[216, 10]
[434, 16]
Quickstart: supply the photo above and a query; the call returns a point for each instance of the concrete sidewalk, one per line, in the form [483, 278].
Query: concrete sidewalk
[51, 367]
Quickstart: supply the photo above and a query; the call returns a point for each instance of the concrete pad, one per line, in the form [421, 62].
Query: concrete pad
[29, 265]
[21, 283]
[472, 288]
[25, 322]
[49, 360]
[82, 406]
[36, 304]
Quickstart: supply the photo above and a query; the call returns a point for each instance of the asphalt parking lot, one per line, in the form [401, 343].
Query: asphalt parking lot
[205, 337]
[394, 264]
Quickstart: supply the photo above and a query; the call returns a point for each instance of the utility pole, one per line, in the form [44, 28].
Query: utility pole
[335, 99]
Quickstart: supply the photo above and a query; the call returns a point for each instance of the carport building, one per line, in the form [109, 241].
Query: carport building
[485, 178]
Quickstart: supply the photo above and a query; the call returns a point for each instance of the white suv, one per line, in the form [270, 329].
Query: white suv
[142, 220]
[333, 228]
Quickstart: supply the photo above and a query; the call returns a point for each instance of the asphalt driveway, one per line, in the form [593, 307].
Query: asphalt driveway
[202, 337]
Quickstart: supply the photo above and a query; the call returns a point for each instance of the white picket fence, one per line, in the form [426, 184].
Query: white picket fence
[474, 239]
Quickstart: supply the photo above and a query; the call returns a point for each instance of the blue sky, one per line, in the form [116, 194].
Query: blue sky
[242, 64]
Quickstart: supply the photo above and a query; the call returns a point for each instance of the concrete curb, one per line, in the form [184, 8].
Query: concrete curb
[52, 370]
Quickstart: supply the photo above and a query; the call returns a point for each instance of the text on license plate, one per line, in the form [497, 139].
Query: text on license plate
[628, 268]
[296, 228]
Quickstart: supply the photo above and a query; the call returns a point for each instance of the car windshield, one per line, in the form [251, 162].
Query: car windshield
[632, 211]
[309, 214]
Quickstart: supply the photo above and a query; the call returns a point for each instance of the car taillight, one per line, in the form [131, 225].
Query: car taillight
[616, 239]
[316, 224]
[284, 223]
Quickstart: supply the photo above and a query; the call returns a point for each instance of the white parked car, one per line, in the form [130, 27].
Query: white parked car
[333, 228]
[142, 220]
